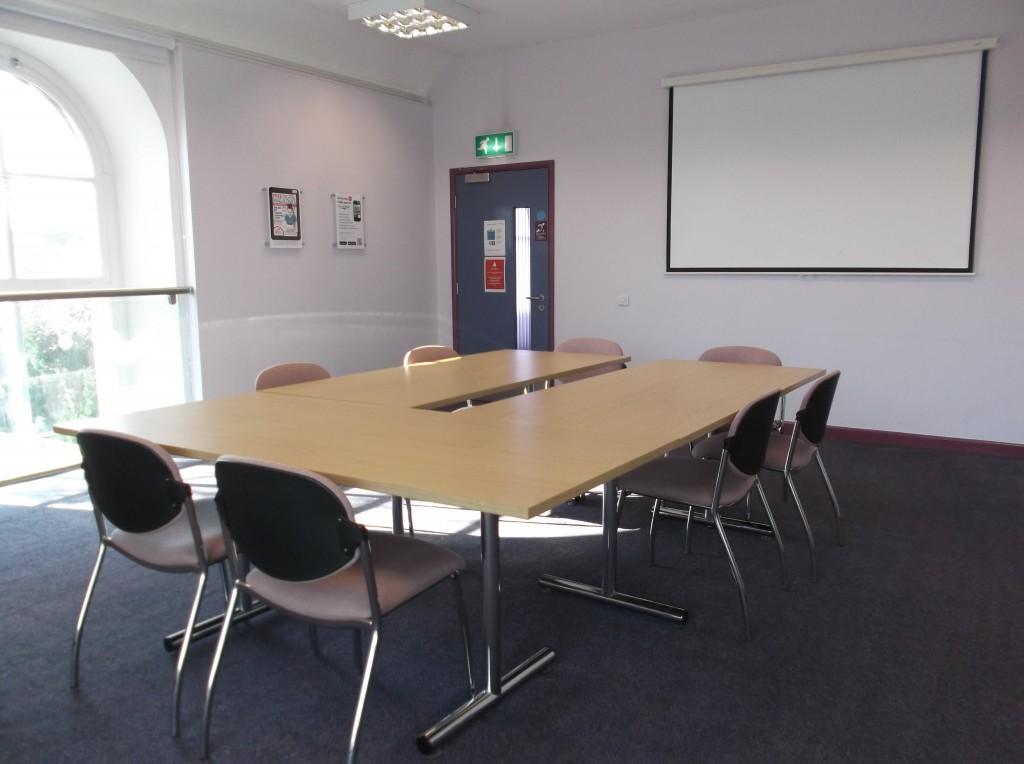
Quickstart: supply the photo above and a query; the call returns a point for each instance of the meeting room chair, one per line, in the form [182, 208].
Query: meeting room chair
[145, 511]
[428, 354]
[596, 345]
[309, 560]
[790, 454]
[712, 445]
[713, 486]
[290, 374]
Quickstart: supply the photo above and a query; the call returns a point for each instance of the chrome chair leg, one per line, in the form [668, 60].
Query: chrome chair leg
[689, 522]
[408, 512]
[775, 531]
[225, 577]
[211, 682]
[807, 525]
[314, 640]
[364, 689]
[183, 653]
[737, 576]
[832, 496]
[460, 606]
[655, 512]
[86, 601]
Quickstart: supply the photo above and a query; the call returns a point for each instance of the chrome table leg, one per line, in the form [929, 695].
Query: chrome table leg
[498, 685]
[396, 515]
[607, 591]
[732, 523]
[211, 626]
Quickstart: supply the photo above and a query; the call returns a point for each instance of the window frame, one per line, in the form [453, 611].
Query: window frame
[62, 95]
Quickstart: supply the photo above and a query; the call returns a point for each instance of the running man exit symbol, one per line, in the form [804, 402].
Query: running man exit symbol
[495, 144]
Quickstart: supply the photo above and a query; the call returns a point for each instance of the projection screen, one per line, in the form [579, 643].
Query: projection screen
[851, 168]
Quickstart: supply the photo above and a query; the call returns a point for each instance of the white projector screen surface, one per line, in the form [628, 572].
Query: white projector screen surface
[861, 168]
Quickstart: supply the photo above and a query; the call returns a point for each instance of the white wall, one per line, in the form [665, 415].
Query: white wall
[931, 355]
[250, 126]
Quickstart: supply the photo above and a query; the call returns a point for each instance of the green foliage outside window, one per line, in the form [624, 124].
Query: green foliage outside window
[58, 352]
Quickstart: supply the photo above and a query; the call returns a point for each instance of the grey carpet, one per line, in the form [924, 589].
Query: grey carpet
[907, 649]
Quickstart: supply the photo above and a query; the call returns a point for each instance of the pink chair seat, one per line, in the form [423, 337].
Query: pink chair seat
[775, 457]
[403, 567]
[710, 447]
[171, 547]
[778, 446]
[687, 481]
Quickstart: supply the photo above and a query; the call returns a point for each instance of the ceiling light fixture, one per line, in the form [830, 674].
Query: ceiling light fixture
[409, 19]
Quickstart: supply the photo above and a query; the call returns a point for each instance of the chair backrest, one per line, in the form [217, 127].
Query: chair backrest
[589, 345]
[428, 353]
[290, 374]
[814, 410]
[740, 354]
[290, 524]
[133, 483]
[596, 345]
[747, 439]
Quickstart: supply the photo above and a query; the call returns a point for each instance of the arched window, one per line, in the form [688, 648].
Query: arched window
[50, 227]
[51, 237]
[76, 123]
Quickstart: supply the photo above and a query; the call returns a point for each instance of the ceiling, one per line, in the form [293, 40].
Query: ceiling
[317, 33]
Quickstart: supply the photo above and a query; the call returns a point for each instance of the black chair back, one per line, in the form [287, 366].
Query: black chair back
[747, 441]
[288, 525]
[130, 482]
[813, 414]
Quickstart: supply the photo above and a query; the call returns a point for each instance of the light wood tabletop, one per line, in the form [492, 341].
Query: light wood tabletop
[497, 468]
[624, 419]
[517, 457]
[453, 380]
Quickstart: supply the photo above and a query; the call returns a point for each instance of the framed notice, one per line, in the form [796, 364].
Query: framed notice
[349, 211]
[494, 274]
[494, 238]
[284, 224]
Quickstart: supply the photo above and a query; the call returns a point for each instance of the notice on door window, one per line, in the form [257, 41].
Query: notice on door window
[494, 274]
[348, 221]
[494, 238]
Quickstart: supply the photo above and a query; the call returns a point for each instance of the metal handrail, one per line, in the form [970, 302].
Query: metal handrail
[82, 294]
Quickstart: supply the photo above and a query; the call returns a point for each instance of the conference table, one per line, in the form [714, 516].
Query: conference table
[517, 457]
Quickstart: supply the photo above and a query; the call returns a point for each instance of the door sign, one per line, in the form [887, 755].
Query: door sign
[494, 238]
[494, 274]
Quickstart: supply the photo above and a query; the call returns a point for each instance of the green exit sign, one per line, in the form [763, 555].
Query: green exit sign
[495, 144]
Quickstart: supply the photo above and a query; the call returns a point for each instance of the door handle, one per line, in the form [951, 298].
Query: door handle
[535, 297]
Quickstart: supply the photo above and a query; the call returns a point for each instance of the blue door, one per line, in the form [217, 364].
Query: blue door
[502, 258]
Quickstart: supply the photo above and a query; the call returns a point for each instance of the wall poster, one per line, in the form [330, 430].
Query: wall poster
[283, 217]
[349, 211]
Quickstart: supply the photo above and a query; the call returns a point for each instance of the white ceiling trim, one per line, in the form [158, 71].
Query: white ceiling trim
[169, 39]
[94, 22]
